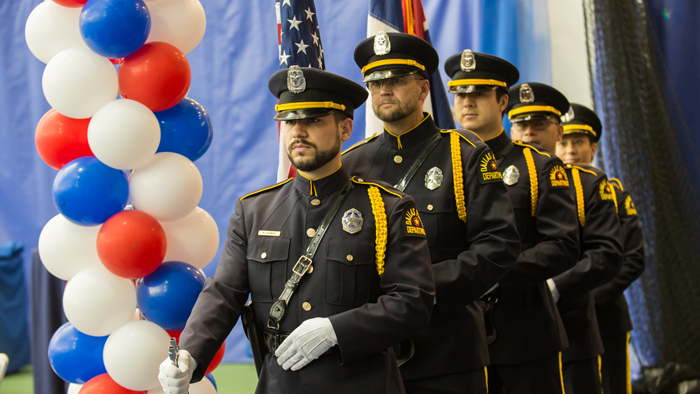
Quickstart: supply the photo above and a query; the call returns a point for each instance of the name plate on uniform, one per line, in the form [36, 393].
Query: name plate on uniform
[268, 233]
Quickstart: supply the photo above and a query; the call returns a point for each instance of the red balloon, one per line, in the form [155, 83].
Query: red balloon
[103, 384]
[157, 75]
[176, 335]
[60, 139]
[217, 359]
[131, 244]
[71, 3]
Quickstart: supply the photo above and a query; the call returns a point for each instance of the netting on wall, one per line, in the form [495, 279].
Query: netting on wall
[646, 144]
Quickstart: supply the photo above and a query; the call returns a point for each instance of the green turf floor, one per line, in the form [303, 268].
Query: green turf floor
[230, 379]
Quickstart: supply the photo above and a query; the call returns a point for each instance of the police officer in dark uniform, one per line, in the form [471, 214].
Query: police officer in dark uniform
[524, 325]
[460, 196]
[330, 317]
[601, 250]
[582, 132]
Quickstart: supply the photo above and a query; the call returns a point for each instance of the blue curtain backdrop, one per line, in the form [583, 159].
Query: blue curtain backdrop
[230, 69]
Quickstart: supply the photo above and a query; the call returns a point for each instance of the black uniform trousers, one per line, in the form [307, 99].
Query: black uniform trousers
[582, 376]
[615, 365]
[474, 381]
[534, 377]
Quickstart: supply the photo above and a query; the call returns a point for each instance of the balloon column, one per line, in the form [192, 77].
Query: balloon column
[121, 130]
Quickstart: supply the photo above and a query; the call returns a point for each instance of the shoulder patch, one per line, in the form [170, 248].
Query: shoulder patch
[526, 145]
[488, 169]
[265, 189]
[606, 191]
[629, 206]
[558, 178]
[412, 224]
[366, 140]
[616, 183]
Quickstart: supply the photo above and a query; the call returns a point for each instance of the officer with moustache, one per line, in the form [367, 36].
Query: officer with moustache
[337, 267]
[600, 258]
[526, 332]
[460, 195]
[582, 132]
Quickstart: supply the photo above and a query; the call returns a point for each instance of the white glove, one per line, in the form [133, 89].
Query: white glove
[553, 290]
[176, 379]
[307, 343]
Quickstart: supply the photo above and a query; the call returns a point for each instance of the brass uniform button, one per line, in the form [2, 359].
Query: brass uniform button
[398, 159]
[310, 269]
[360, 180]
[315, 201]
[263, 255]
[306, 306]
[430, 207]
[349, 257]
[310, 232]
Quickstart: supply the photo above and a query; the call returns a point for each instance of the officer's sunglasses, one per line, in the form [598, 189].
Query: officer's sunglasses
[393, 83]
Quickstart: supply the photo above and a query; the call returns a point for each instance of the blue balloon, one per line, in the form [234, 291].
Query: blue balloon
[115, 28]
[185, 129]
[213, 382]
[88, 192]
[166, 297]
[74, 356]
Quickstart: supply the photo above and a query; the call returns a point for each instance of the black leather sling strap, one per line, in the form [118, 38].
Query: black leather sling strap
[279, 308]
[432, 143]
[504, 153]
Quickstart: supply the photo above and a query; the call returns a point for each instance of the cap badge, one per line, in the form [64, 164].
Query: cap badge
[511, 175]
[433, 179]
[468, 62]
[352, 221]
[382, 45]
[527, 96]
[296, 83]
[569, 116]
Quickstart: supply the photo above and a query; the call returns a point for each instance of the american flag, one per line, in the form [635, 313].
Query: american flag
[407, 16]
[299, 44]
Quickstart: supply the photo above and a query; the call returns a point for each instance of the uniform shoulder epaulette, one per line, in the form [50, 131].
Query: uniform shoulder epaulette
[366, 140]
[266, 189]
[582, 169]
[361, 181]
[616, 183]
[463, 136]
[526, 145]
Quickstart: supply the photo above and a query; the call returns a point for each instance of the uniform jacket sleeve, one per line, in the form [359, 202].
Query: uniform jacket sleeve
[557, 227]
[494, 243]
[220, 303]
[405, 306]
[601, 256]
[633, 257]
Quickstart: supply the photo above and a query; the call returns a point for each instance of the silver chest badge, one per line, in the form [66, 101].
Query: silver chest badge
[468, 62]
[527, 96]
[511, 175]
[296, 83]
[433, 179]
[382, 45]
[352, 221]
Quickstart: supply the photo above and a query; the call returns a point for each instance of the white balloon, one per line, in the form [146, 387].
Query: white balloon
[74, 388]
[204, 386]
[66, 248]
[168, 187]
[98, 302]
[124, 134]
[133, 353]
[193, 239]
[52, 28]
[77, 82]
[178, 22]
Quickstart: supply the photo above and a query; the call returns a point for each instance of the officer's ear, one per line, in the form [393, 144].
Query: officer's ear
[345, 127]
[560, 132]
[594, 149]
[424, 88]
